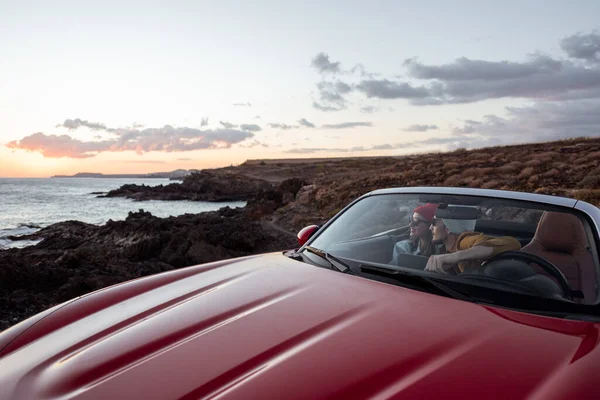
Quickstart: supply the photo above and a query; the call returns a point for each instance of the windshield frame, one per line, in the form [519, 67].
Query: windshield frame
[589, 214]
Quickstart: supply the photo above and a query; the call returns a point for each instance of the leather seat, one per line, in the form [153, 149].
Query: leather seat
[561, 239]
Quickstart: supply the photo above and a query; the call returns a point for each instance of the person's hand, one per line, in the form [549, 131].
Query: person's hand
[436, 263]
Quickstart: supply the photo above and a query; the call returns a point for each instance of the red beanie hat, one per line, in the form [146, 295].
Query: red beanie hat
[427, 211]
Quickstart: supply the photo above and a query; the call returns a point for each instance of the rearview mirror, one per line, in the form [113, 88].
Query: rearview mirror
[306, 234]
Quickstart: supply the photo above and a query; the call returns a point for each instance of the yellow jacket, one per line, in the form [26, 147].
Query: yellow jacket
[466, 240]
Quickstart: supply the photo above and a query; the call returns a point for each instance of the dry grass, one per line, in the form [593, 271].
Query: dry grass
[533, 163]
[411, 174]
[545, 156]
[477, 156]
[491, 185]
[453, 180]
[525, 173]
[580, 160]
[510, 167]
[561, 168]
[589, 195]
[553, 173]
[594, 156]
[470, 172]
[590, 182]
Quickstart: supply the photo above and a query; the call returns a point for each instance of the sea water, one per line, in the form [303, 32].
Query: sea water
[29, 204]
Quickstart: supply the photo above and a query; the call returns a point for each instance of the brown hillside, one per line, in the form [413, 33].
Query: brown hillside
[565, 168]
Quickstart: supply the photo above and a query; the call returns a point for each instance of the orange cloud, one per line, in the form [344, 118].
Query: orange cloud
[54, 146]
[165, 139]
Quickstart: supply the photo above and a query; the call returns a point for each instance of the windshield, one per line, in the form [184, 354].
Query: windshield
[512, 246]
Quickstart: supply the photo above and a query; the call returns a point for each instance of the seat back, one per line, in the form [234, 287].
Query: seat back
[560, 238]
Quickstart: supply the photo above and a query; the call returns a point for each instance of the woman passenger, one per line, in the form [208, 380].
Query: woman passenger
[420, 241]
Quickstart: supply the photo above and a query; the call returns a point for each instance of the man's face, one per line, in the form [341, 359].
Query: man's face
[439, 231]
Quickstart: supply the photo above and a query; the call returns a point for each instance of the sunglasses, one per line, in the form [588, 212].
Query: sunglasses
[415, 221]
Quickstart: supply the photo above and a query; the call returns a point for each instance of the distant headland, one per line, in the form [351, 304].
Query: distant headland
[176, 174]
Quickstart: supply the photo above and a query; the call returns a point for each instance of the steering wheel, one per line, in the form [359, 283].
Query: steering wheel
[542, 262]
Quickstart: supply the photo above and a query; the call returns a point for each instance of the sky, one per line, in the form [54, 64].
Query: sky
[147, 86]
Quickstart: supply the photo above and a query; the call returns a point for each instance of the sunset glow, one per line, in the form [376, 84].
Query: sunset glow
[193, 86]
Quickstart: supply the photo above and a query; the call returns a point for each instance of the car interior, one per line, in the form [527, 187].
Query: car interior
[558, 239]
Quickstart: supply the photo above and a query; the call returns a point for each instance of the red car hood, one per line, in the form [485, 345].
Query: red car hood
[271, 327]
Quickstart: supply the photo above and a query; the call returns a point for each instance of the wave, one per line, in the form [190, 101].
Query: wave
[29, 225]
[10, 244]
[15, 233]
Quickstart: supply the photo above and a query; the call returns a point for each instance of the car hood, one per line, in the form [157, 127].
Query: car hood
[271, 327]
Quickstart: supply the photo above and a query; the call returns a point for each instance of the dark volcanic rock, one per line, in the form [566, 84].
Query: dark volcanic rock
[199, 186]
[267, 201]
[76, 258]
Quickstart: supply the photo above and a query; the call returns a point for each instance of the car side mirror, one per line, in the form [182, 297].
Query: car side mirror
[306, 233]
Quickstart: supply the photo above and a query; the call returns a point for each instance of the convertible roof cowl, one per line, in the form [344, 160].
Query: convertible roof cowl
[501, 194]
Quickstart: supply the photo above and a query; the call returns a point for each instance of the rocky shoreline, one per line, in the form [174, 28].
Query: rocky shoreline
[75, 258]
[200, 186]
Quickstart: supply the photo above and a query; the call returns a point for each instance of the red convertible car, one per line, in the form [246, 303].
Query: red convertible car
[406, 293]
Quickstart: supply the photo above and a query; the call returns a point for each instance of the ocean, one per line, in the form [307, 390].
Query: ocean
[27, 205]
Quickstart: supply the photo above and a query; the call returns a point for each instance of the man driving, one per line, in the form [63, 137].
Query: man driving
[453, 226]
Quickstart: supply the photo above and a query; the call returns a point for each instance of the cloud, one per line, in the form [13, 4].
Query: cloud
[383, 147]
[185, 159]
[332, 94]
[448, 143]
[204, 122]
[314, 150]
[57, 146]
[250, 127]
[326, 108]
[333, 91]
[305, 123]
[469, 127]
[356, 149]
[463, 84]
[368, 109]
[165, 139]
[464, 69]
[346, 125]
[538, 77]
[247, 104]
[227, 125]
[419, 128]
[582, 46]
[362, 71]
[76, 123]
[283, 126]
[386, 89]
[144, 162]
[323, 65]
[543, 121]
[253, 143]
[540, 122]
